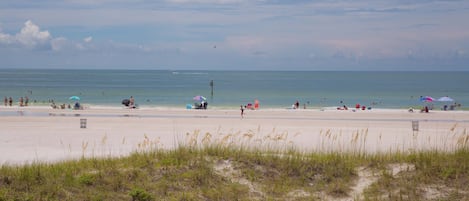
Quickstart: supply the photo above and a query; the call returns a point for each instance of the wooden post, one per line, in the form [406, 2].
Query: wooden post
[211, 86]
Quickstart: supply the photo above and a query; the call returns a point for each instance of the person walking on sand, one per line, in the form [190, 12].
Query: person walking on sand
[242, 111]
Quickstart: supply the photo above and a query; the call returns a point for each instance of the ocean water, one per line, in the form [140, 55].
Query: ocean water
[273, 89]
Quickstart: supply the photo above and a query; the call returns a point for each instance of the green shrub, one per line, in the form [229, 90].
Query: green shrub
[86, 179]
[139, 194]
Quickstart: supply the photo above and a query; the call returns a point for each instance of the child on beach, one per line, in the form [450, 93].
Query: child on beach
[242, 111]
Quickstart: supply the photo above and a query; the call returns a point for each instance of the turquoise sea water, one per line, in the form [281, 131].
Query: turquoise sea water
[274, 89]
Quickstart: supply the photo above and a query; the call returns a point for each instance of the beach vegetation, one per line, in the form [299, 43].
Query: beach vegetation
[244, 166]
[139, 194]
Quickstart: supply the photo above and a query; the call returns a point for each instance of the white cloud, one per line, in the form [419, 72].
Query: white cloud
[30, 36]
[59, 43]
[88, 39]
[80, 46]
[5, 38]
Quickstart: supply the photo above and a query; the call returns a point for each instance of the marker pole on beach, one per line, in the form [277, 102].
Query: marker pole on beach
[211, 86]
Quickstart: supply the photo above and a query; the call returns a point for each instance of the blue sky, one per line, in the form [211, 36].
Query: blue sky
[235, 34]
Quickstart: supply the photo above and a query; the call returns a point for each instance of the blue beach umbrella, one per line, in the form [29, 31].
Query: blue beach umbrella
[74, 98]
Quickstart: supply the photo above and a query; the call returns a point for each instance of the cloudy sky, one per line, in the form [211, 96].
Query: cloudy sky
[235, 34]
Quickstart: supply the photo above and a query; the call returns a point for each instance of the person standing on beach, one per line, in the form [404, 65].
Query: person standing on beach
[256, 104]
[26, 101]
[131, 102]
[10, 101]
[5, 101]
[21, 102]
[242, 111]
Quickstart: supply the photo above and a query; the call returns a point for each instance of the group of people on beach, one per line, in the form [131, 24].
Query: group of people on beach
[451, 106]
[427, 108]
[357, 107]
[249, 106]
[62, 106]
[21, 102]
[130, 103]
[201, 105]
[296, 105]
[24, 101]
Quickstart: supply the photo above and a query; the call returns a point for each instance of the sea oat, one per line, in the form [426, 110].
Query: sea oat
[454, 127]
[207, 139]
[104, 139]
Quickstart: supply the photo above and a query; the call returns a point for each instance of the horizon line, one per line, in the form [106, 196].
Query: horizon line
[235, 70]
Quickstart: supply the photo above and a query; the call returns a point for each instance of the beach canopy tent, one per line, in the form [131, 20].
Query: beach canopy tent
[445, 99]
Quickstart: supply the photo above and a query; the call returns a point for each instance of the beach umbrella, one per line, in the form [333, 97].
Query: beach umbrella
[74, 98]
[445, 99]
[426, 99]
[199, 98]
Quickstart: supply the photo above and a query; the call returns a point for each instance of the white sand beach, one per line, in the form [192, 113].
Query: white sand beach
[30, 134]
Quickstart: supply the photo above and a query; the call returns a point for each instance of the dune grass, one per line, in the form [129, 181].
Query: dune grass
[241, 168]
[188, 174]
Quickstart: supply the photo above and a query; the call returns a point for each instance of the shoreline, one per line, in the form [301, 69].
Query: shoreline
[213, 113]
[216, 108]
[43, 134]
[310, 106]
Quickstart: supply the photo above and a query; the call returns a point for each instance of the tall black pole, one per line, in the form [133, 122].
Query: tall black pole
[211, 86]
